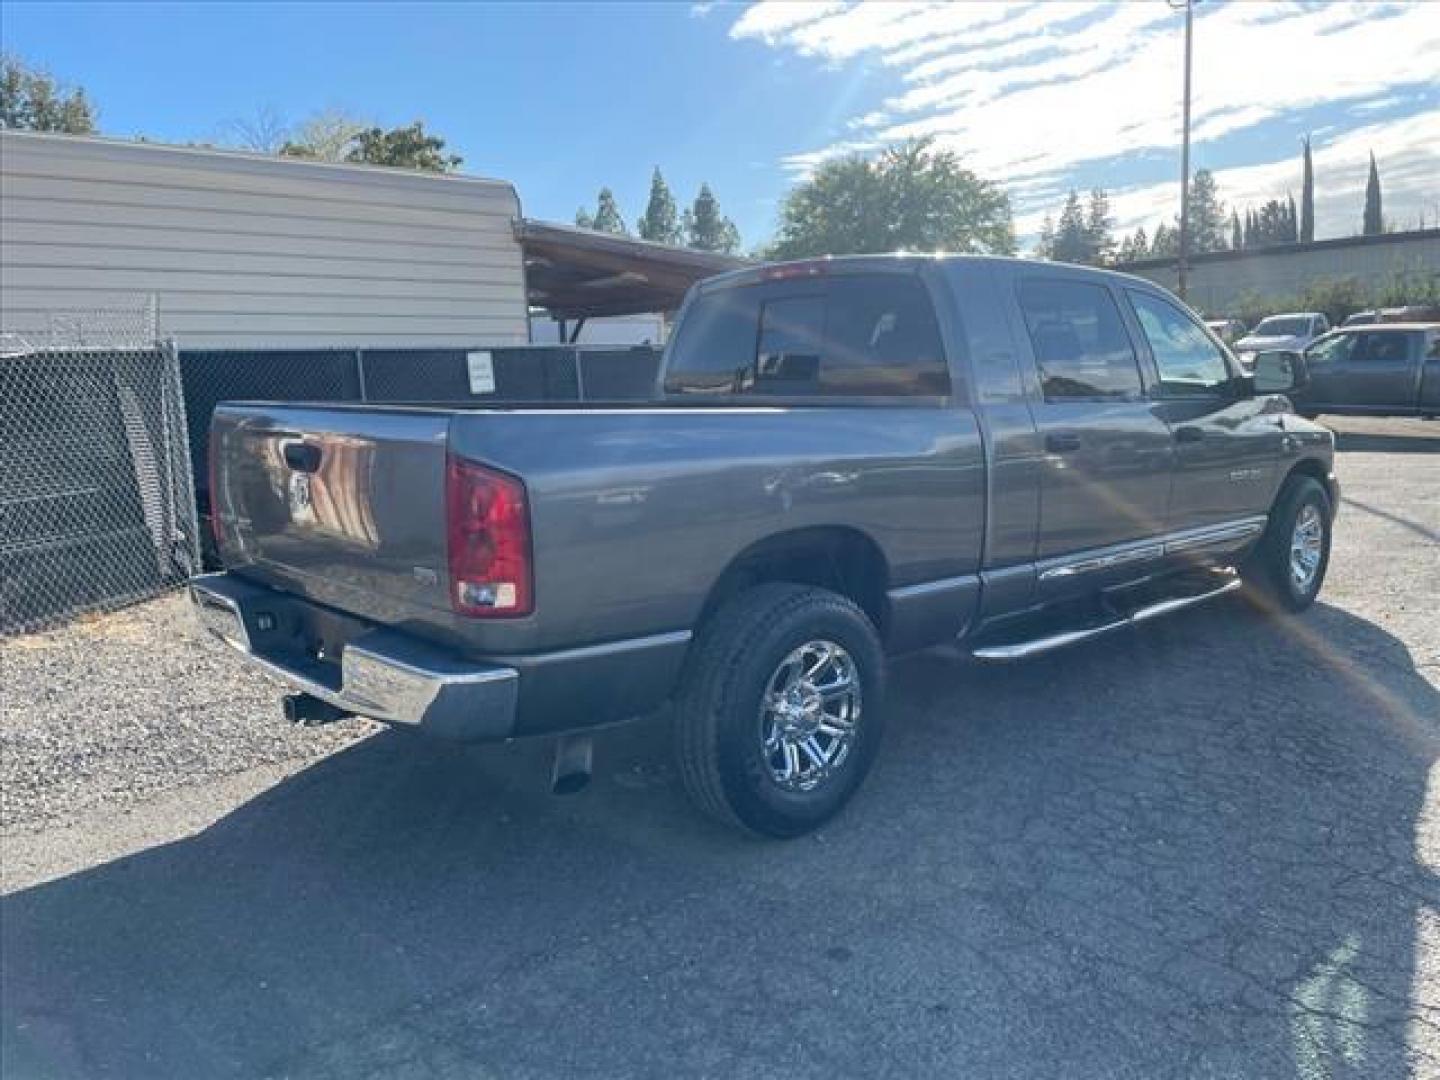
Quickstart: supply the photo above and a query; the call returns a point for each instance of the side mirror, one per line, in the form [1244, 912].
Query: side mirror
[1280, 371]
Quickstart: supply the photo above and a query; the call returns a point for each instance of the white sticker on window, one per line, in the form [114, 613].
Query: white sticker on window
[482, 372]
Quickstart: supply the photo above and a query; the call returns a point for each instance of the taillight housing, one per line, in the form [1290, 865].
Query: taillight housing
[487, 534]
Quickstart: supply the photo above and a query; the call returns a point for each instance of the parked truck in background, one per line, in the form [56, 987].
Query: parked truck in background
[1377, 369]
[846, 459]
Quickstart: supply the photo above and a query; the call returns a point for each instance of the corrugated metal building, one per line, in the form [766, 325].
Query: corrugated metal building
[244, 250]
[1219, 280]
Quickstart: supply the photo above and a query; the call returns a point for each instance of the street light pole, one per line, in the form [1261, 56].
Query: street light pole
[1183, 267]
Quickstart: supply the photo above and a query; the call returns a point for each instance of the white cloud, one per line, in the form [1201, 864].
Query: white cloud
[1036, 90]
[1404, 150]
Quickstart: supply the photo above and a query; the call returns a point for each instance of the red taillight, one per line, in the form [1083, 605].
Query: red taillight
[487, 526]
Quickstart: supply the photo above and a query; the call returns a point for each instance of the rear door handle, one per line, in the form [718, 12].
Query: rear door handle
[302, 457]
[1189, 434]
[1062, 443]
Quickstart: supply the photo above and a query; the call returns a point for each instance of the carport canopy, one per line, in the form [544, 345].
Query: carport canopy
[576, 273]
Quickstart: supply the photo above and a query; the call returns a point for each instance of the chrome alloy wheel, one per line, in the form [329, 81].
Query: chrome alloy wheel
[1306, 546]
[809, 715]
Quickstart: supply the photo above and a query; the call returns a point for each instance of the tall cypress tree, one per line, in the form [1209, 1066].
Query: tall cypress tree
[1307, 199]
[1291, 229]
[706, 228]
[1237, 238]
[607, 214]
[661, 221]
[1374, 221]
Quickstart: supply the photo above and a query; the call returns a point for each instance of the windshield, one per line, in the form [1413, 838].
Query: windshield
[1283, 326]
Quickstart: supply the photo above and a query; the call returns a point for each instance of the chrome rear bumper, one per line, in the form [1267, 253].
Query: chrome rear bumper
[382, 674]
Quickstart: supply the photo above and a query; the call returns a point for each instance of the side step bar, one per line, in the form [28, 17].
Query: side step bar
[1021, 649]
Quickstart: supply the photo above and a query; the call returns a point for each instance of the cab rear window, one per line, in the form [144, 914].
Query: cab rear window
[848, 336]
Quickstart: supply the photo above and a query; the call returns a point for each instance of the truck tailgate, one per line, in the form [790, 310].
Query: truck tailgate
[343, 506]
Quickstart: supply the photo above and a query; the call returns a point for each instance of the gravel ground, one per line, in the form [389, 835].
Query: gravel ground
[115, 708]
[1208, 849]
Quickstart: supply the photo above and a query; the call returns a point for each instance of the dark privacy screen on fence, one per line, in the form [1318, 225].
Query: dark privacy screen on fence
[96, 502]
[529, 373]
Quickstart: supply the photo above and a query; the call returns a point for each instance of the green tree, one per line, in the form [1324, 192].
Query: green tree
[1306, 232]
[706, 228]
[1098, 229]
[661, 221]
[1237, 237]
[1292, 229]
[1072, 237]
[1045, 246]
[1134, 247]
[1166, 242]
[910, 197]
[328, 135]
[1207, 214]
[607, 215]
[32, 100]
[1374, 221]
[409, 147]
[584, 218]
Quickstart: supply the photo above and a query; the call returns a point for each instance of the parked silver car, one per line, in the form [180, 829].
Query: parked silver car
[1290, 332]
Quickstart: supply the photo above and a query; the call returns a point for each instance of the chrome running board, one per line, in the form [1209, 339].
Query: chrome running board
[1021, 649]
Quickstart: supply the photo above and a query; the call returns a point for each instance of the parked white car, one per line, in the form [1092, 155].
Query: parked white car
[1291, 332]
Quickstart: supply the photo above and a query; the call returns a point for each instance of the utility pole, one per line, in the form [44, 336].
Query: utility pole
[1183, 265]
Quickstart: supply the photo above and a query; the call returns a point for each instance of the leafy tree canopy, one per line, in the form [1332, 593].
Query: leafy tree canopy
[410, 147]
[32, 100]
[911, 197]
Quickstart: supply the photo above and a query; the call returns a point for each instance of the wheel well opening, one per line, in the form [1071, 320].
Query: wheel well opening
[1316, 470]
[842, 560]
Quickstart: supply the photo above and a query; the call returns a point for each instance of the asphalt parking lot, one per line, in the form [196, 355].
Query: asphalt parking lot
[1208, 849]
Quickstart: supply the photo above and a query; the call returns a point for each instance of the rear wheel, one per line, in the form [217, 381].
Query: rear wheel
[779, 717]
[1288, 565]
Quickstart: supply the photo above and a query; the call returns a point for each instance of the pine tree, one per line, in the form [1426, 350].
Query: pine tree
[660, 222]
[1292, 231]
[1374, 222]
[1099, 238]
[1166, 241]
[584, 218]
[1072, 238]
[706, 228]
[1045, 246]
[1207, 214]
[1306, 232]
[1250, 238]
[607, 215]
[1237, 238]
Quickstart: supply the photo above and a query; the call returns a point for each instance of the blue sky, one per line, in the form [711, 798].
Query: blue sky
[563, 98]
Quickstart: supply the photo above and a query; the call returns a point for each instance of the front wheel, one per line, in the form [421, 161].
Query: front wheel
[1288, 565]
[779, 717]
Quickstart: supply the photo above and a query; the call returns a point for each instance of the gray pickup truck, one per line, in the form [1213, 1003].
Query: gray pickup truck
[1381, 369]
[846, 459]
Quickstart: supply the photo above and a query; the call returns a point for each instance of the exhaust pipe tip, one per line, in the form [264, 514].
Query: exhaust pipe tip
[574, 762]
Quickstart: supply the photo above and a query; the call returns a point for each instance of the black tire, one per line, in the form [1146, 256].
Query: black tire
[1267, 569]
[719, 722]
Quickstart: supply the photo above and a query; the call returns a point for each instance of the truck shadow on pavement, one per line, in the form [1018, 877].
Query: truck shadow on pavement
[1196, 850]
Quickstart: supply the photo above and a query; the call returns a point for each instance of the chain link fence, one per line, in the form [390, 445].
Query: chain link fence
[96, 501]
[104, 437]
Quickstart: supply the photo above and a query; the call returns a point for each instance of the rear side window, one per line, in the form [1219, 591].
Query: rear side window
[1385, 348]
[847, 336]
[1079, 341]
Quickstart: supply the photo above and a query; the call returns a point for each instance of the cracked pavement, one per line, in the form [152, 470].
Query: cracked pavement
[1208, 848]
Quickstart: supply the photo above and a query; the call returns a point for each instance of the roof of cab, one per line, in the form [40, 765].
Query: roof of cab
[851, 264]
